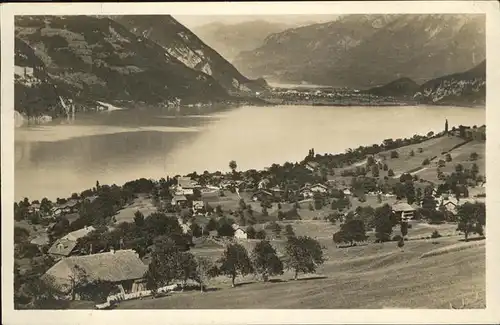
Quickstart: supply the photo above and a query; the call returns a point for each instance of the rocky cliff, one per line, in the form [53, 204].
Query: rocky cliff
[180, 43]
[365, 51]
[96, 58]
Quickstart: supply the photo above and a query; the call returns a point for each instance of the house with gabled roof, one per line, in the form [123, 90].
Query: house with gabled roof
[65, 245]
[403, 210]
[123, 268]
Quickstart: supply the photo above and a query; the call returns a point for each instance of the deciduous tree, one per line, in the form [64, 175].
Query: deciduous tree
[265, 260]
[303, 254]
[235, 261]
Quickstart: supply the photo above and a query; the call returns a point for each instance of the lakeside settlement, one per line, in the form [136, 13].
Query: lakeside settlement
[115, 245]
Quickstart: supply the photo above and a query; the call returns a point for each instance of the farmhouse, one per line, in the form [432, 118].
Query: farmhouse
[123, 268]
[404, 210]
[239, 232]
[69, 207]
[65, 245]
[185, 186]
[320, 188]
[179, 200]
[306, 192]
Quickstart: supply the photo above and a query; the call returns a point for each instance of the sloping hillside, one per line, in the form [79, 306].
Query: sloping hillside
[180, 43]
[402, 87]
[99, 59]
[466, 88]
[365, 51]
[35, 92]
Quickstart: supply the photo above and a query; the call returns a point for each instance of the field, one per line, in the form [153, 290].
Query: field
[142, 204]
[460, 155]
[368, 276]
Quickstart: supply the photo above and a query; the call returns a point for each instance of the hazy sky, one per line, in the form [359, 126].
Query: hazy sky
[193, 21]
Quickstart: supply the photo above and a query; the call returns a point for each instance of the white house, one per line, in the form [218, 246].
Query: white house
[239, 232]
[198, 206]
[320, 188]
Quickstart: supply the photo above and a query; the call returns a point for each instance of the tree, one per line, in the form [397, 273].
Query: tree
[265, 260]
[385, 167]
[383, 223]
[233, 165]
[375, 171]
[448, 157]
[138, 218]
[303, 254]
[471, 218]
[289, 232]
[186, 268]
[441, 163]
[164, 263]
[225, 229]
[251, 233]
[350, 232]
[459, 168]
[390, 173]
[205, 270]
[394, 154]
[234, 262]
[446, 126]
[412, 153]
[196, 230]
[474, 156]
[426, 162]
[211, 225]
[261, 234]
[404, 229]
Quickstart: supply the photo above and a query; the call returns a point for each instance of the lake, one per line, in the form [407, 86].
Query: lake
[57, 159]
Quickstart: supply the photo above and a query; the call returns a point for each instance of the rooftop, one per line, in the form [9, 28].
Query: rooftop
[115, 266]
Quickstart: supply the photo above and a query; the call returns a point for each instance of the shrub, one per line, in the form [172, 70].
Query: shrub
[397, 238]
[435, 234]
[394, 154]
[426, 162]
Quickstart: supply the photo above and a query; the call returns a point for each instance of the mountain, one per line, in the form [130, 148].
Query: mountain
[465, 88]
[180, 43]
[231, 39]
[365, 51]
[95, 58]
[402, 87]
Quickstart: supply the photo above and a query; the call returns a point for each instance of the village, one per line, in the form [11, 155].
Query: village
[112, 245]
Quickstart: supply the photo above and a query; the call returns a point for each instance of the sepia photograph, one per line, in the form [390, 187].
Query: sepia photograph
[248, 161]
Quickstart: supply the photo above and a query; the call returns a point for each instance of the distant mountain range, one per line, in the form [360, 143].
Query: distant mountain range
[87, 58]
[465, 88]
[365, 51]
[231, 39]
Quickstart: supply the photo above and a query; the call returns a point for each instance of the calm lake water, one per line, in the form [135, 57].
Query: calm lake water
[57, 159]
